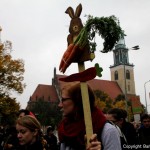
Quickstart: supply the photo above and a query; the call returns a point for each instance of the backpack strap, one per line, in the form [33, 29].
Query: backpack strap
[123, 139]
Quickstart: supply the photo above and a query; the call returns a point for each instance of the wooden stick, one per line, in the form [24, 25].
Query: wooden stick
[86, 105]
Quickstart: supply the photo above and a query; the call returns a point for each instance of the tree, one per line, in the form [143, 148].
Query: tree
[100, 104]
[47, 113]
[11, 71]
[11, 80]
[120, 97]
[103, 101]
[8, 110]
[120, 104]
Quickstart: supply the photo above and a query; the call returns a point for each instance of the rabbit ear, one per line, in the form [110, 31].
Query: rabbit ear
[78, 10]
[70, 11]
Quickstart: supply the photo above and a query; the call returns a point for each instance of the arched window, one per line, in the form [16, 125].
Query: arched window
[129, 88]
[116, 75]
[127, 74]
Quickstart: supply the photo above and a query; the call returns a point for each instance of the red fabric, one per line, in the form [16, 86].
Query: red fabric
[31, 114]
[75, 129]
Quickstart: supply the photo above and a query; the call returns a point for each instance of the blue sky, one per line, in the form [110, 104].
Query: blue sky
[38, 30]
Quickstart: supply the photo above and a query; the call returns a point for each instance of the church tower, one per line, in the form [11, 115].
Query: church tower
[122, 71]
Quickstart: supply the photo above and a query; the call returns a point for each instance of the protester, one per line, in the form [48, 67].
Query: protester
[51, 139]
[144, 130]
[71, 130]
[29, 134]
[118, 117]
[136, 125]
[10, 140]
[24, 112]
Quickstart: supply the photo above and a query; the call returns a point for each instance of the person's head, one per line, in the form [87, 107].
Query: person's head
[28, 129]
[145, 120]
[136, 125]
[50, 130]
[117, 116]
[72, 99]
[23, 112]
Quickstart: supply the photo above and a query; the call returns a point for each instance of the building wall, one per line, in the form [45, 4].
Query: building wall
[130, 84]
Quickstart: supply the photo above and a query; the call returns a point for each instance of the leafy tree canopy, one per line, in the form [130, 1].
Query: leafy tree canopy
[8, 105]
[103, 101]
[11, 71]
[8, 110]
[11, 80]
[46, 112]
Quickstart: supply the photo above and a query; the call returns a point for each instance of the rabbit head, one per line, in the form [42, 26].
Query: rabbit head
[74, 29]
[75, 23]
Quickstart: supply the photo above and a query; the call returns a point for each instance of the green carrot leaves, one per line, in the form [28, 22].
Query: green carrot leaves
[106, 27]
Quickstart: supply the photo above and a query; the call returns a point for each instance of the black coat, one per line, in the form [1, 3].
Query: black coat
[144, 136]
[51, 142]
[35, 146]
[129, 132]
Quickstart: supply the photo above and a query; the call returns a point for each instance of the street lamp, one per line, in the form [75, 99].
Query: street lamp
[145, 95]
[124, 62]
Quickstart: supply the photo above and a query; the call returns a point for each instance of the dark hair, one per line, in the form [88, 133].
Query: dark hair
[50, 128]
[25, 111]
[124, 113]
[118, 113]
[145, 116]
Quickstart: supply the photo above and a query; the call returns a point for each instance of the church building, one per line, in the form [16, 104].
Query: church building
[121, 83]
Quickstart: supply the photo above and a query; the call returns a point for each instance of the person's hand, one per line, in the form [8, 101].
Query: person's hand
[94, 143]
[8, 146]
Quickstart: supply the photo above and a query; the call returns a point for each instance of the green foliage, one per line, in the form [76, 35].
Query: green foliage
[103, 98]
[105, 103]
[11, 77]
[8, 109]
[11, 71]
[106, 27]
[46, 112]
[120, 97]
[101, 95]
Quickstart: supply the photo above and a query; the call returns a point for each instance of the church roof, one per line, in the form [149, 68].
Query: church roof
[110, 87]
[45, 92]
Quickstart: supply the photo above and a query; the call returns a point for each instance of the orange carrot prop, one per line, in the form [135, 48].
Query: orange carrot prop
[65, 56]
[73, 53]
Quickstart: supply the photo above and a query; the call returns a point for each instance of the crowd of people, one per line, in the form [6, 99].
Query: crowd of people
[111, 131]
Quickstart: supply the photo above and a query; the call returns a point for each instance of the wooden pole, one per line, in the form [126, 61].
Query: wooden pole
[86, 105]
